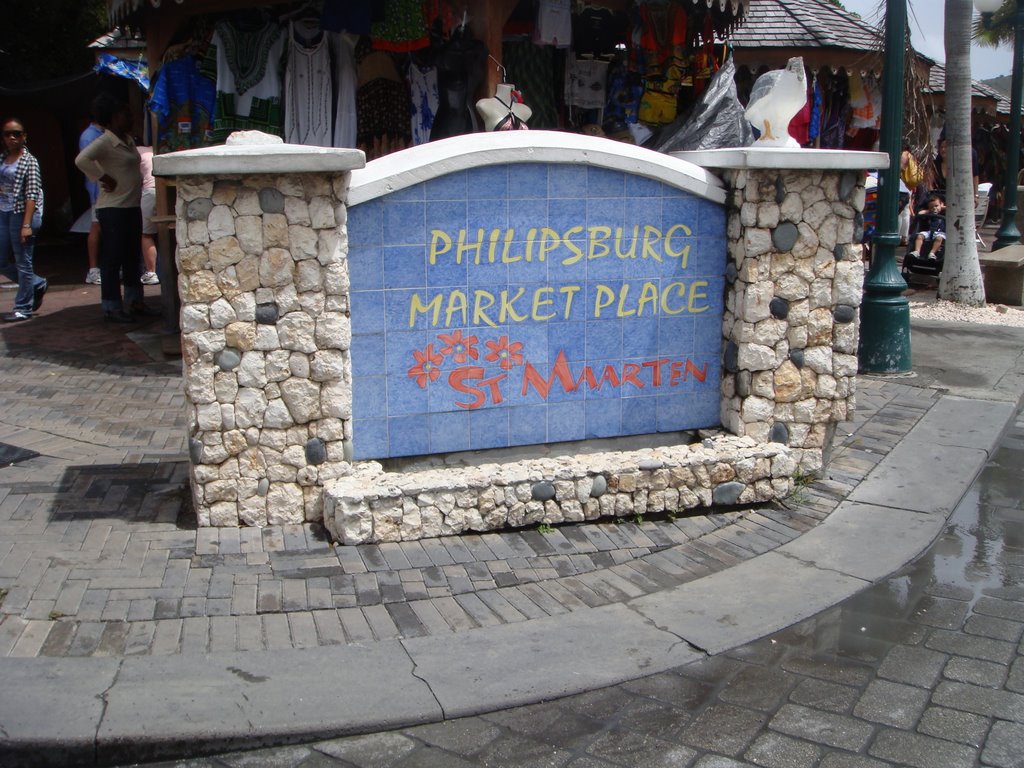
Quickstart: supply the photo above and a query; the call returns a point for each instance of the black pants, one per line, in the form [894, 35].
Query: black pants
[120, 256]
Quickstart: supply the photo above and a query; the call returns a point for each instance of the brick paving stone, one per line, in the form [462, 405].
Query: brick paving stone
[773, 750]
[223, 634]
[986, 673]
[844, 760]
[167, 637]
[276, 632]
[820, 694]
[303, 630]
[914, 666]
[998, 629]
[1015, 681]
[981, 701]
[406, 620]
[355, 626]
[830, 729]
[940, 612]
[892, 704]
[758, 688]
[195, 635]
[913, 749]
[723, 728]
[1003, 609]
[971, 645]
[140, 638]
[380, 622]
[953, 725]
[834, 670]
[431, 619]
[30, 642]
[1004, 747]
[87, 638]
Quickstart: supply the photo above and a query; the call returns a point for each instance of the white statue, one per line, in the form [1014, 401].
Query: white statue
[774, 100]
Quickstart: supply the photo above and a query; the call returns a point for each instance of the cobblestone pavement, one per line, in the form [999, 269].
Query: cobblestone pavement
[99, 556]
[924, 669]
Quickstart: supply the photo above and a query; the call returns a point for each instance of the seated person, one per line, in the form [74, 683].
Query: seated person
[931, 229]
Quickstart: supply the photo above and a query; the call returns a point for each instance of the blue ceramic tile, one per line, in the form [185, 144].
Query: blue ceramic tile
[566, 421]
[488, 213]
[674, 412]
[604, 380]
[604, 339]
[604, 418]
[405, 224]
[451, 186]
[405, 396]
[524, 215]
[675, 335]
[366, 223]
[604, 182]
[447, 216]
[707, 334]
[367, 355]
[449, 432]
[570, 338]
[640, 186]
[367, 308]
[490, 181]
[527, 425]
[639, 415]
[706, 408]
[488, 277]
[366, 267]
[527, 180]
[602, 263]
[369, 399]
[563, 215]
[488, 428]
[448, 273]
[532, 271]
[640, 337]
[534, 337]
[641, 212]
[607, 212]
[567, 181]
[370, 438]
[403, 348]
[412, 194]
[420, 307]
[410, 435]
[404, 266]
[711, 219]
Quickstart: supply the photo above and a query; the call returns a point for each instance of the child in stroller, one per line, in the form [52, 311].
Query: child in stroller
[931, 231]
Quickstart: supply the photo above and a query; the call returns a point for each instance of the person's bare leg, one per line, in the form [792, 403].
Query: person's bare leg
[149, 253]
[92, 250]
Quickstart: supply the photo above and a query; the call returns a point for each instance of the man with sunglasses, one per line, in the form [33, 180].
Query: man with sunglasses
[21, 213]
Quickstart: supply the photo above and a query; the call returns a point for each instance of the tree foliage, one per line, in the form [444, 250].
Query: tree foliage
[48, 39]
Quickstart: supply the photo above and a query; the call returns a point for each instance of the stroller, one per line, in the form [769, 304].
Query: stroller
[929, 259]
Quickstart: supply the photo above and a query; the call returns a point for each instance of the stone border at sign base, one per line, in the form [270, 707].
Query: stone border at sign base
[267, 333]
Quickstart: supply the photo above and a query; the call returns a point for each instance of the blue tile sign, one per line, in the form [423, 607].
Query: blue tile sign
[528, 303]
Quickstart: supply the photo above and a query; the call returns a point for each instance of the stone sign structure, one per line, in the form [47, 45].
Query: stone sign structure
[291, 308]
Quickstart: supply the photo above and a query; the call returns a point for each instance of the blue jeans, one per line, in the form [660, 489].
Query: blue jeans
[120, 256]
[16, 257]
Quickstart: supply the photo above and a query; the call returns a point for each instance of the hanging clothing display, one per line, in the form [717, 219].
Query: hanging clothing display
[183, 101]
[382, 105]
[308, 86]
[585, 81]
[554, 23]
[403, 28]
[346, 84]
[248, 56]
[425, 100]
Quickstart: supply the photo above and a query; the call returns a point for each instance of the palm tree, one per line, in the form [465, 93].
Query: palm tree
[961, 275]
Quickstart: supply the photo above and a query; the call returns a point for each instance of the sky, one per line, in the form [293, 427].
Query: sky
[926, 24]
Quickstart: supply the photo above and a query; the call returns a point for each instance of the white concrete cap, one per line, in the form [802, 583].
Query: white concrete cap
[408, 167]
[257, 158]
[784, 158]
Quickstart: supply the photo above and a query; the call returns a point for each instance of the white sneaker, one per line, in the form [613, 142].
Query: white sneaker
[92, 277]
[150, 278]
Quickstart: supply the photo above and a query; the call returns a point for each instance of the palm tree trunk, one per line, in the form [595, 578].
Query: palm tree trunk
[961, 274]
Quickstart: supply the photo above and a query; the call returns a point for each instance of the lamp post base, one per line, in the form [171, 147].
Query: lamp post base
[884, 334]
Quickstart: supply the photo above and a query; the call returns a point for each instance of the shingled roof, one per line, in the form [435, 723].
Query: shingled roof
[803, 24]
[937, 84]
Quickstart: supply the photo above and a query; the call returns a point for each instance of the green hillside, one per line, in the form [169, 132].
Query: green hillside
[1001, 84]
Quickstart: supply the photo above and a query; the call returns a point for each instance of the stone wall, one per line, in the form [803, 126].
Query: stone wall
[790, 327]
[262, 256]
[265, 337]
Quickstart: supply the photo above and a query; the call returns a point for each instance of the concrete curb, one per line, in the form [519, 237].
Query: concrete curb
[94, 711]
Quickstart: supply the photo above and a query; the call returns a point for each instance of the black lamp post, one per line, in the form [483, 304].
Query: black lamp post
[884, 311]
[1008, 233]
